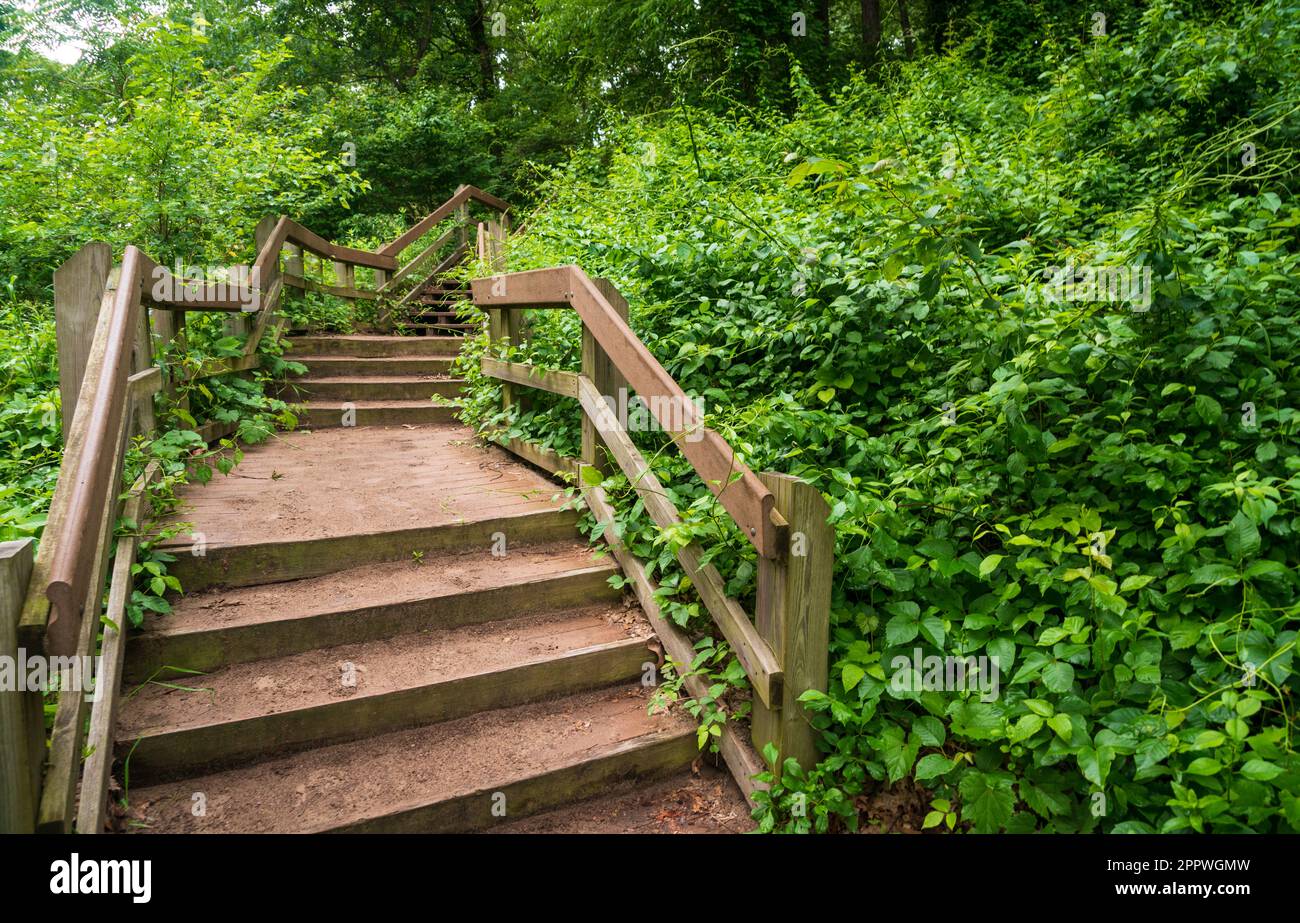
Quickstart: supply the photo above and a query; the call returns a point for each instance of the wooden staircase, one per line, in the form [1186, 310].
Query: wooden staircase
[387, 624]
[385, 628]
[433, 309]
[381, 380]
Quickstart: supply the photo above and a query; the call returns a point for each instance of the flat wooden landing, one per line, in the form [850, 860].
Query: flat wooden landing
[357, 480]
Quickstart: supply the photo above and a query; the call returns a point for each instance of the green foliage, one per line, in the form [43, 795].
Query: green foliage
[1101, 497]
[30, 439]
[169, 153]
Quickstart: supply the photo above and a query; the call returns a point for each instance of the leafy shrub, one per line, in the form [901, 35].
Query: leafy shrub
[1102, 498]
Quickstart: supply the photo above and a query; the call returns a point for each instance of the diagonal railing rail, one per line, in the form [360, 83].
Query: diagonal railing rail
[783, 649]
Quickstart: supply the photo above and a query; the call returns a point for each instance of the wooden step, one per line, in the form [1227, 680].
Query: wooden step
[458, 329]
[364, 347]
[370, 388]
[446, 777]
[310, 503]
[334, 366]
[247, 711]
[702, 799]
[438, 329]
[207, 630]
[322, 414]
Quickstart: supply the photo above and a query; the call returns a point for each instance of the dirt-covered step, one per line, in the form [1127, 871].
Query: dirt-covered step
[371, 388]
[224, 626]
[310, 503]
[248, 711]
[702, 799]
[330, 366]
[468, 774]
[325, 413]
[365, 346]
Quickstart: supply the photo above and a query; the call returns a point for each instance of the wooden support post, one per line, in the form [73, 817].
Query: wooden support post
[78, 289]
[462, 224]
[793, 616]
[22, 725]
[141, 359]
[238, 323]
[293, 261]
[344, 275]
[169, 328]
[608, 380]
[383, 309]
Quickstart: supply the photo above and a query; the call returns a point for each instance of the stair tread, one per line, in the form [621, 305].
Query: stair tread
[351, 481]
[372, 585]
[377, 360]
[250, 690]
[377, 404]
[375, 380]
[347, 784]
[702, 799]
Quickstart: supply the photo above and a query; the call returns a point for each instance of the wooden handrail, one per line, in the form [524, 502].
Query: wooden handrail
[784, 649]
[462, 196]
[83, 484]
[737, 488]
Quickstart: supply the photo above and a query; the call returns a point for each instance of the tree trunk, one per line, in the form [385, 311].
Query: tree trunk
[479, 39]
[870, 32]
[905, 24]
[937, 16]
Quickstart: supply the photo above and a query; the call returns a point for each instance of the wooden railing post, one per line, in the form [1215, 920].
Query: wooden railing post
[238, 323]
[78, 289]
[22, 725]
[793, 616]
[293, 261]
[604, 374]
[462, 224]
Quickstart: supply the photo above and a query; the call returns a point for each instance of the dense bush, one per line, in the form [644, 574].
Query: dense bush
[1101, 496]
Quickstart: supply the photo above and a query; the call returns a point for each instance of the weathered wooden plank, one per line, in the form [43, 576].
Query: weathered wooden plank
[310, 240]
[212, 431]
[200, 747]
[541, 457]
[91, 461]
[739, 757]
[162, 290]
[59, 788]
[737, 488]
[532, 376]
[533, 288]
[753, 652]
[108, 678]
[338, 291]
[22, 728]
[793, 615]
[462, 195]
[415, 264]
[214, 367]
[266, 311]
[78, 289]
[604, 374]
